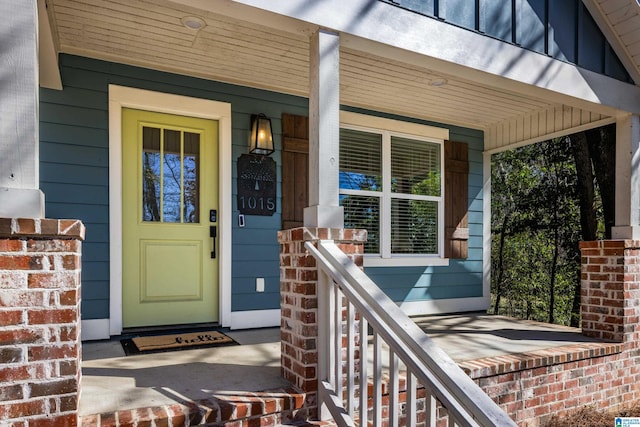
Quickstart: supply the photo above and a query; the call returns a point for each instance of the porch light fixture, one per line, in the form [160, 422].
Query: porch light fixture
[261, 135]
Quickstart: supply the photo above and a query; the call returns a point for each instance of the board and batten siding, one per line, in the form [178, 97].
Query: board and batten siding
[74, 175]
[561, 29]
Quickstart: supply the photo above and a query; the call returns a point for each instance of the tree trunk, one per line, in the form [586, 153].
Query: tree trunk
[588, 219]
[602, 148]
[496, 308]
[554, 269]
[581, 154]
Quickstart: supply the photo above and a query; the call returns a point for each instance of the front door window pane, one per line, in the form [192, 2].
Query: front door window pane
[191, 171]
[171, 175]
[150, 174]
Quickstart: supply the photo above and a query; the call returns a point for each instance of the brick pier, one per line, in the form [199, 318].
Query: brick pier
[299, 302]
[611, 290]
[40, 321]
[605, 375]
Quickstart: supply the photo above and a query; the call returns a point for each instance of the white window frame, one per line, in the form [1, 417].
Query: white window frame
[388, 128]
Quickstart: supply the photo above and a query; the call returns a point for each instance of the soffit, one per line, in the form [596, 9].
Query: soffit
[149, 33]
[620, 21]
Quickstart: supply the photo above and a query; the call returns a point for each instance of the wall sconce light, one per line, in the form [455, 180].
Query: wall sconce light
[261, 135]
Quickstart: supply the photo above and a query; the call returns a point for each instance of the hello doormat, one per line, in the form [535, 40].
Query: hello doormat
[172, 342]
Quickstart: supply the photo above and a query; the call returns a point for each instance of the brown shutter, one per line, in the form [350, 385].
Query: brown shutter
[295, 169]
[456, 195]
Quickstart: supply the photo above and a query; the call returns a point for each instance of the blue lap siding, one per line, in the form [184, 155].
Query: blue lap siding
[74, 175]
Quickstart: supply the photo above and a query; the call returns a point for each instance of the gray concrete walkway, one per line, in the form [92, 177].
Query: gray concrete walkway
[474, 336]
[112, 381]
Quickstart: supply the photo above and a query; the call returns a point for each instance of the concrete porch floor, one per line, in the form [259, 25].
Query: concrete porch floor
[111, 381]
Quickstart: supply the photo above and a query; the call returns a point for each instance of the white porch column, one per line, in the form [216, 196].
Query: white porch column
[324, 132]
[19, 178]
[627, 178]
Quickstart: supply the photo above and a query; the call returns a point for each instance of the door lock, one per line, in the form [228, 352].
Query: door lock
[213, 232]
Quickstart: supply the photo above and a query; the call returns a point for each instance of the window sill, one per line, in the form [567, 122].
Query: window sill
[409, 261]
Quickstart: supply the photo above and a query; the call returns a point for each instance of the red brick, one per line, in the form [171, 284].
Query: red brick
[19, 336]
[160, 416]
[68, 403]
[20, 262]
[53, 316]
[54, 280]
[11, 318]
[68, 333]
[54, 388]
[10, 392]
[21, 373]
[52, 352]
[26, 226]
[13, 280]
[53, 246]
[71, 228]
[11, 355]
[71, 262]
[19, 298]
[68, 367]
[22, 409]
[11, 245]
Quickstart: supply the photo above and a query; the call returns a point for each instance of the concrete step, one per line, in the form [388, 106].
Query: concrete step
[268, 408]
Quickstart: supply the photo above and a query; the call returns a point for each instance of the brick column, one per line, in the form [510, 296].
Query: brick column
[299, 302]
[40, 321]
[611, 290]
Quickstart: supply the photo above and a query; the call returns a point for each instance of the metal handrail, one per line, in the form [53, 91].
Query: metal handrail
[464, 400]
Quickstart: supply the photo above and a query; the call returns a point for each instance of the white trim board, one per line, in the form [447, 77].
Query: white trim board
[126, 97]
[94, 329]
[255, 319]
[445, 306]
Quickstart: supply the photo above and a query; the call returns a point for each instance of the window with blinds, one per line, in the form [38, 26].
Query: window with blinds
[391, 185]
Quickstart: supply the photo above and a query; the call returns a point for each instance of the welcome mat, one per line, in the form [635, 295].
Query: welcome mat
[173, 342]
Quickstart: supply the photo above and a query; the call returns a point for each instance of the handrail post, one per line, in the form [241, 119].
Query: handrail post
[325, 339]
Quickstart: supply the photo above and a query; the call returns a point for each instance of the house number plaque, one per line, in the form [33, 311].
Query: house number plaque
[256, 185]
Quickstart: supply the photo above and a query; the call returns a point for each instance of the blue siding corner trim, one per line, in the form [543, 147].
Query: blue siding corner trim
[74, 174]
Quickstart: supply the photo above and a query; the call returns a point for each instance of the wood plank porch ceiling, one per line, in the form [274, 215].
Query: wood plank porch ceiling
[149, 33]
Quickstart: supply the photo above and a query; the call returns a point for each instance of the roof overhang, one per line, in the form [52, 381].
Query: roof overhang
[619, 21]
[387, 62]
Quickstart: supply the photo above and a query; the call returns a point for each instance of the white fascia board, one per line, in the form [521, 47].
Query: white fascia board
[390, 31]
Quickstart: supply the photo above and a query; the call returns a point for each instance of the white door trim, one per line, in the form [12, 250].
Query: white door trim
[125, 97]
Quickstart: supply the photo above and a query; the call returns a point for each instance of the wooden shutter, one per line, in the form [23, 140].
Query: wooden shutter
[295, 169]
[456, 195]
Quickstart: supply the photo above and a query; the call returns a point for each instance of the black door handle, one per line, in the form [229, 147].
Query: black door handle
[213, 232]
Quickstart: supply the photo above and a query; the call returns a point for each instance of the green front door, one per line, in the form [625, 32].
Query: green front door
[169, 188]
